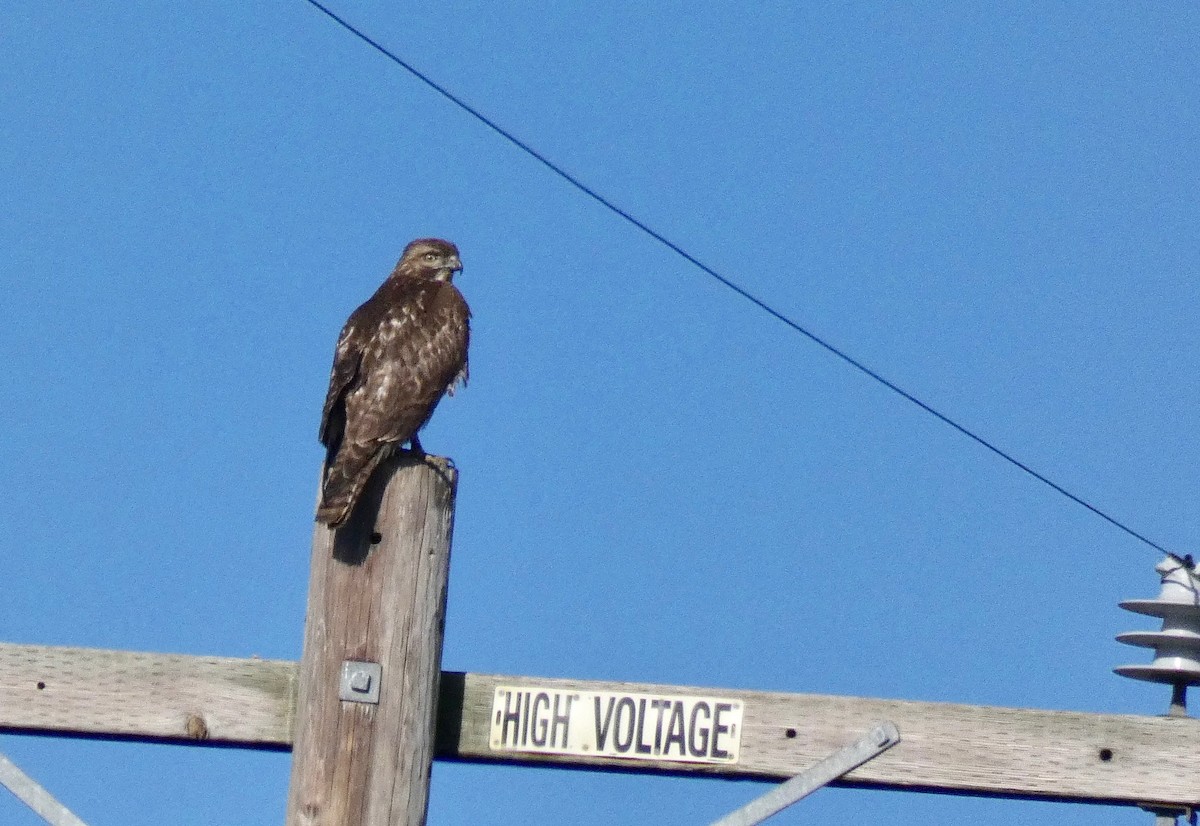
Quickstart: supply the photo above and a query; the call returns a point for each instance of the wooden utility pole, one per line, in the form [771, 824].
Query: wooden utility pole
[368, 680]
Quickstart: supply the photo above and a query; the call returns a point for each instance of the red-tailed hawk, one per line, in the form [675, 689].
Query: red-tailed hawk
[397, 355]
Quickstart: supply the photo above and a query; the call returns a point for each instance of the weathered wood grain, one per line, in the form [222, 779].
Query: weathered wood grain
[983, 750]
[377, 593]
[1007, 752]
[87, 691]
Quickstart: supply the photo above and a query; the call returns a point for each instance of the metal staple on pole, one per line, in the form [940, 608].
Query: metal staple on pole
[29, 792]
[880, 738]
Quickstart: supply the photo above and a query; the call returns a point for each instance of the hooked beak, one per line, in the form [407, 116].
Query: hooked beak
[447, 272]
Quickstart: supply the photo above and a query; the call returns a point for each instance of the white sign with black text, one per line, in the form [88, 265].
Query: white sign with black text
[616, 724]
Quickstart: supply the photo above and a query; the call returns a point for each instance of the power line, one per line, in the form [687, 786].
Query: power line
[758, 302]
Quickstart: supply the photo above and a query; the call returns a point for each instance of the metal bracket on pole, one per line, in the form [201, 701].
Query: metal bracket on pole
[34, 796]
[1169, 815]
[880, 738]
[360, 682]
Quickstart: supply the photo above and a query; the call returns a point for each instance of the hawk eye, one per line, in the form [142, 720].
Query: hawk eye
[431, 256]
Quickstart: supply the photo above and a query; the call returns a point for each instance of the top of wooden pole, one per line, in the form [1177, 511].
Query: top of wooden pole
[377, 595]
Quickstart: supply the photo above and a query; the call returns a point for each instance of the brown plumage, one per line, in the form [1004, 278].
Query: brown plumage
[397, 355]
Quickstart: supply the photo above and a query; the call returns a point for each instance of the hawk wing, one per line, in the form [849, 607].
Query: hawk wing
[346, 358]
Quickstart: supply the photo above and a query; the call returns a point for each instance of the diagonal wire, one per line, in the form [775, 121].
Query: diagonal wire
[758, 302]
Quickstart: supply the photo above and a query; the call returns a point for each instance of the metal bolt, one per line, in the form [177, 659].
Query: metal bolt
[360, 681]
[884, 734]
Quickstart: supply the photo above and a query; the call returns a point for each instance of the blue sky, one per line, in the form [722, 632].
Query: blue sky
[993, 206]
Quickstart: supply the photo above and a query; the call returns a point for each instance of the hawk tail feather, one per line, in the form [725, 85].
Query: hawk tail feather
[345, 480]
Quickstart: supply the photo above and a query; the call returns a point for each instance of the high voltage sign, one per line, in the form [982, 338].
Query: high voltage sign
[627, 725]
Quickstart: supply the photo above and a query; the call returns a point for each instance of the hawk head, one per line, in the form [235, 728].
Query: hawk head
[430, 258]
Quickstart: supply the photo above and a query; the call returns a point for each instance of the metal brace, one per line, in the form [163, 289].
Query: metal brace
[882, 736]
[34, 796]
[1169, 815]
